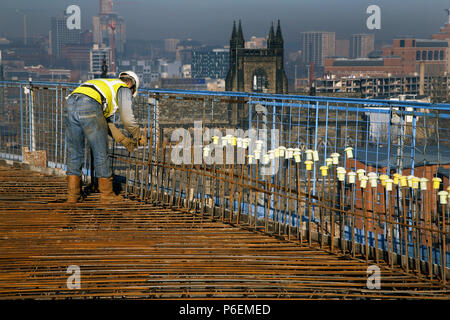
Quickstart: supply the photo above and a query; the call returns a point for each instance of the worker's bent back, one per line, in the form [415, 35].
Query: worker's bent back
[104, 91]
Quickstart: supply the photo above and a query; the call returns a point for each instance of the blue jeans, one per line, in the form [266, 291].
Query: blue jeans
[84, 119]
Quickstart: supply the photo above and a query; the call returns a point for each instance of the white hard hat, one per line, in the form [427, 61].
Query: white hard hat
[134, 76]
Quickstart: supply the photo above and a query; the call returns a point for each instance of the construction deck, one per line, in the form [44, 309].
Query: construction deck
[138, 250]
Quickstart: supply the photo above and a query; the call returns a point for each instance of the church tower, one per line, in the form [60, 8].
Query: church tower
[257, 70]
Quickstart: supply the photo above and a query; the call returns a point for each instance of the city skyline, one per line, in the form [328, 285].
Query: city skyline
[158, 20]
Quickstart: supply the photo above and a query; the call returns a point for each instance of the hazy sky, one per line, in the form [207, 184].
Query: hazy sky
[210, 21]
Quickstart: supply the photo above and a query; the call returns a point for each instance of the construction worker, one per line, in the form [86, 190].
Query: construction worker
[88, 108]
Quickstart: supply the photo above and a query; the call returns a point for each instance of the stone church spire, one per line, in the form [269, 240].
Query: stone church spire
[271, 36]
[240, 36]
[279, 37]
[233, 36]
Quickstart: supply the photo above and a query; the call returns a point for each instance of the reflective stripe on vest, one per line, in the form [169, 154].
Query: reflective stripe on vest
[104, 91]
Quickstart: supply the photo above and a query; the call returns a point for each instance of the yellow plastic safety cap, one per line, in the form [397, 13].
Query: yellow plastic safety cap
[308, 164]
[324, 170]
[349, 151]
[436, 183]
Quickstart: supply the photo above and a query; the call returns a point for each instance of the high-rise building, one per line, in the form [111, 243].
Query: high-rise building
[361, 45]
[170, 45]
[316, 45]
[342, 48]
[103, 26]
[96, 57]
[212, 64]
[107, 26]
[106, 6]
[61, 35]
[1, 66]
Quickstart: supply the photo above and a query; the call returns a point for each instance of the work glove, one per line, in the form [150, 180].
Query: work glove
[128, 143]
[142, 138]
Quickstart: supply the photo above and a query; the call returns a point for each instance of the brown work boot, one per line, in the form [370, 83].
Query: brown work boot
[107, 194]
[73, 189]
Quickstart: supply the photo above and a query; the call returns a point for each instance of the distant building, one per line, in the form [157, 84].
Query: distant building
[61, 35]
[39, 73]
[361, 45]
[170, 69]
[430, 161]
[444, 33]
[363, 67]
[145, 69]
[187, 71]
[257, 70]
[96, 56]
[1, 67]
[78, 55]
[103, 25]
[256, 43]
[106, 6]
[212, 64]
[170, 45]
[183, 83]
[4, 41]
[215, 84]
[342, 48]
[377, 86]
[402, 58]
[433, 52]
[316, 46]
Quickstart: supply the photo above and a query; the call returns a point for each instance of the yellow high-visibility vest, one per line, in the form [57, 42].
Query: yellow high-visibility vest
[104, 91]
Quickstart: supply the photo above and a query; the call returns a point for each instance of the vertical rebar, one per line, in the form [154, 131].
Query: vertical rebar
[298, 215]
[405, 232]
[353, 226]
[366, 240]
[375, 221]
[444, 248]
[309, 209]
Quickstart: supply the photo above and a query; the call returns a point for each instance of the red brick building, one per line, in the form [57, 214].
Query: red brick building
[364, 67]
[402, 58]
[428, 169]
[444, 33]
[434, 53]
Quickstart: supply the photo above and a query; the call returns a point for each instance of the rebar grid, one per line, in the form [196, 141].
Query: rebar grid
[140, 250]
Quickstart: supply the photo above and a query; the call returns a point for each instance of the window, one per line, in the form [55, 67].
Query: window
[259, 81]
[441, 55]
[417, 55]
[436, 55]
[424, 55]
[430, 55]
[402, 43]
